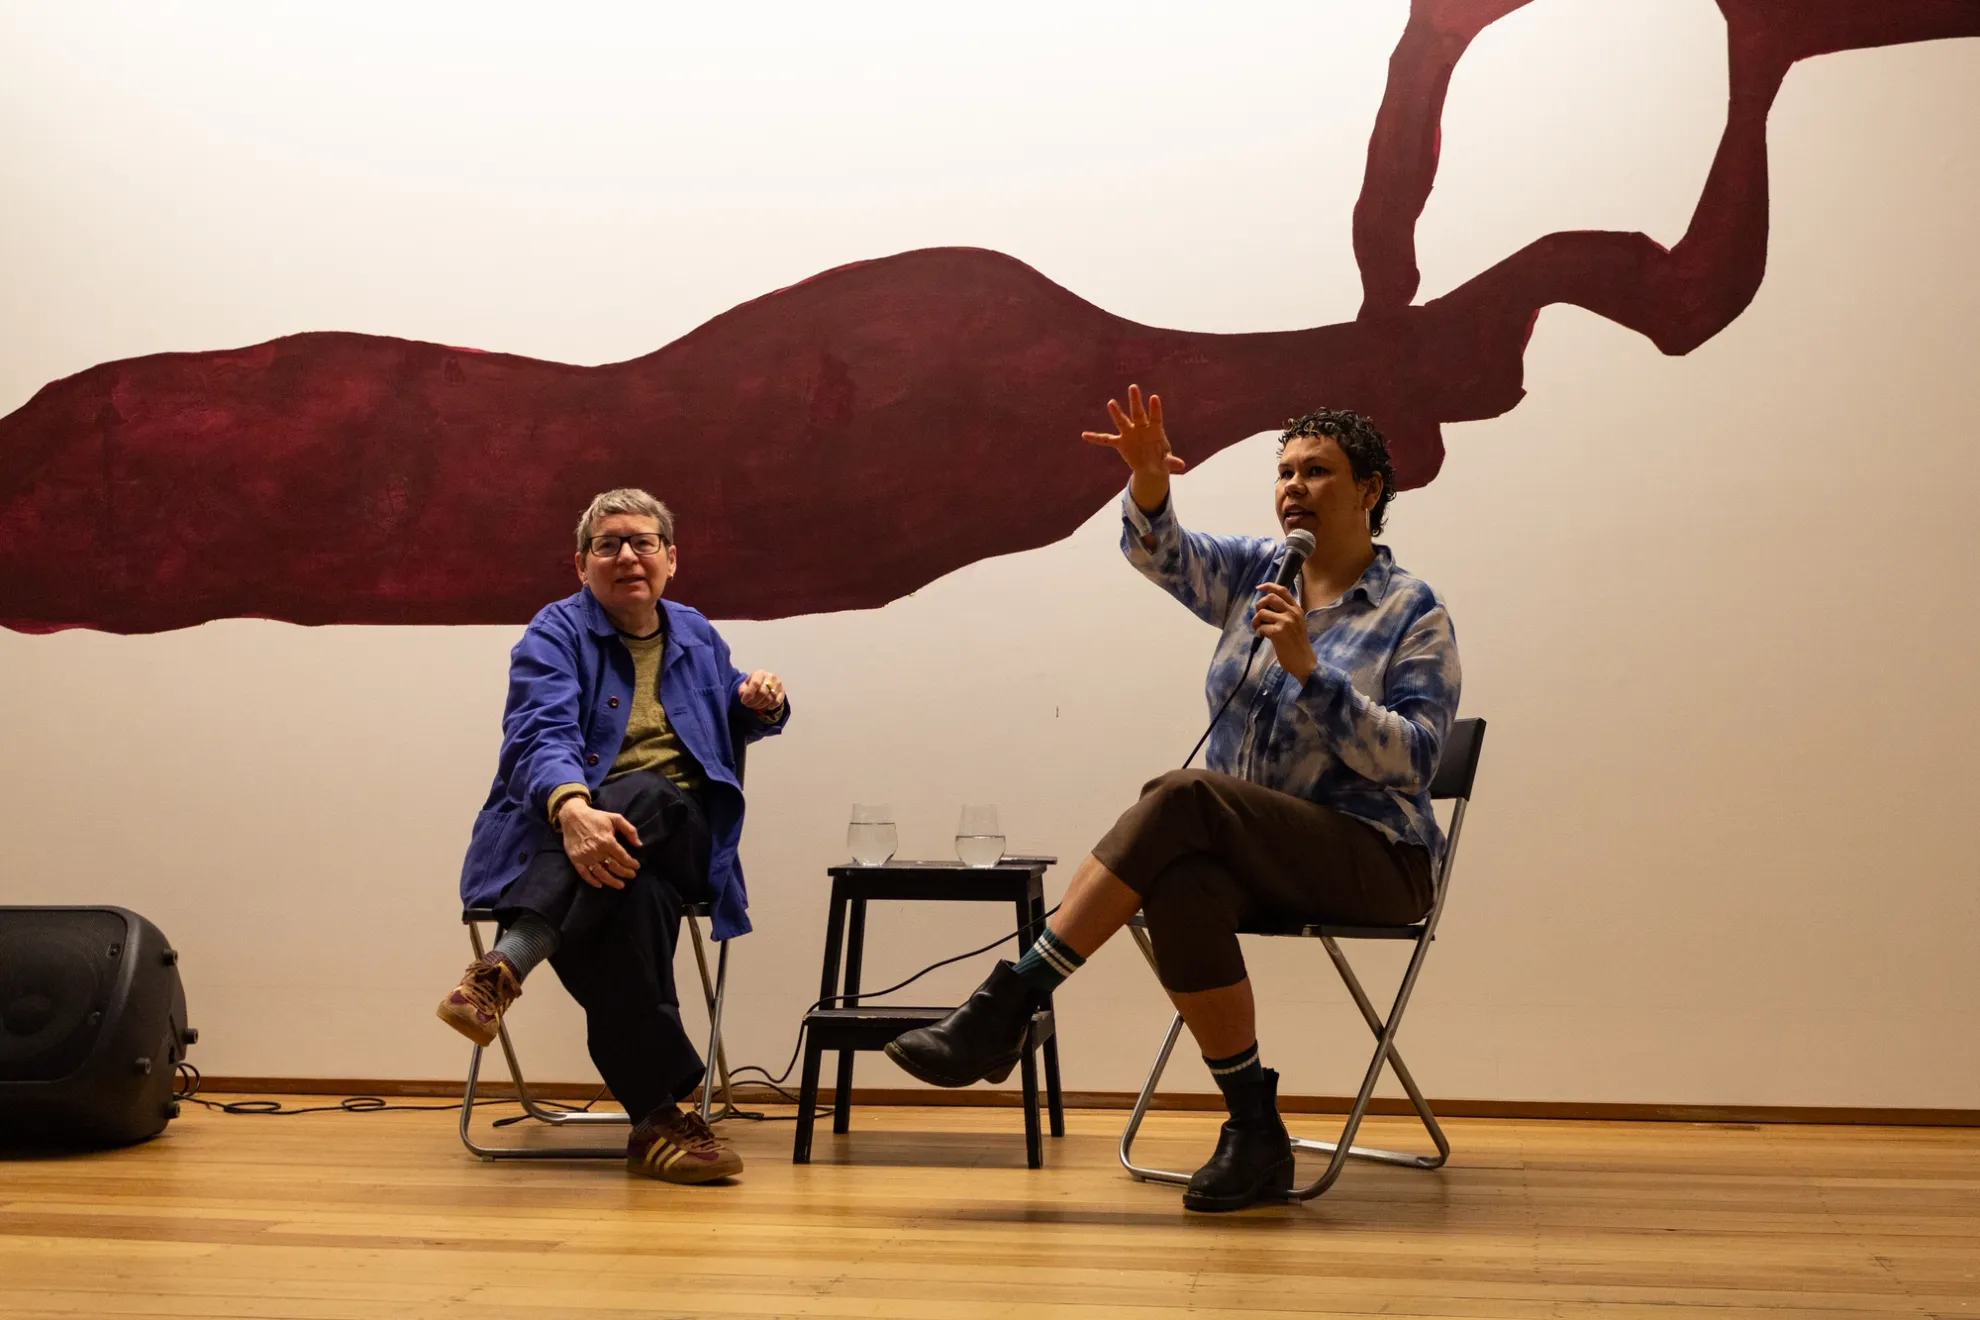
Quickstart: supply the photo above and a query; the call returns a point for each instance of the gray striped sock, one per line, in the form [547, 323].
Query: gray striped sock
[527, 941]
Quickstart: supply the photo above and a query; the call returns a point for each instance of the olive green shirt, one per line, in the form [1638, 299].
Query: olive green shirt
[651, 743]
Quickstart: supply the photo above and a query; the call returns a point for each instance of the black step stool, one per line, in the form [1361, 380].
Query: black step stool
[848, 1026]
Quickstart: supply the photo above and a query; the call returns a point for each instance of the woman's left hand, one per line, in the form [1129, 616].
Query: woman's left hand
[762, 692]
[1281, 621]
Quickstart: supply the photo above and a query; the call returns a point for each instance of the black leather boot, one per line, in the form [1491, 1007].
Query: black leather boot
[981, 1041]
[1254, 1155]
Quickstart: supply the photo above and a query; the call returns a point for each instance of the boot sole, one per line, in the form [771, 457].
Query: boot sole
[1276, 1187]
[997, 1073]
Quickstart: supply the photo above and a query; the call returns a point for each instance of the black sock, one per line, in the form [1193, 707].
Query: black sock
[1240, 1070]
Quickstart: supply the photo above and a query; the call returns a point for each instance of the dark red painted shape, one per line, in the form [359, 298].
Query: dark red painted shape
[832, 445]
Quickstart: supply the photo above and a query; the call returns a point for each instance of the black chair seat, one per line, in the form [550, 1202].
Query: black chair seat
[1350, 932]
[1302, 930]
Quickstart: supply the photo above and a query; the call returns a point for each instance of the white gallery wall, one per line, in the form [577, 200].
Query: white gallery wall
[1716, 608]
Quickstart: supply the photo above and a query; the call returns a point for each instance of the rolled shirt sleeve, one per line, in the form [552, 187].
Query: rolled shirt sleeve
[564, 793]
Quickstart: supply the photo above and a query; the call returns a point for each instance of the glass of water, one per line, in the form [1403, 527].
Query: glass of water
[870, 836]
[979, 838]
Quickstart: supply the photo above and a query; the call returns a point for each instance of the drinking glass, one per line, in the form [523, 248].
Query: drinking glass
[870, 836]
[979, 838]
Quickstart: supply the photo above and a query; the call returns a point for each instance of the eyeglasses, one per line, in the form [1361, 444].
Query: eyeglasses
[644, 544]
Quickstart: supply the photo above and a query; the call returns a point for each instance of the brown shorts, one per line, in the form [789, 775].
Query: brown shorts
[1210, 853]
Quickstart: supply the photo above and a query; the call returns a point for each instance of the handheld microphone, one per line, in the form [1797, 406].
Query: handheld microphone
[1299, 544]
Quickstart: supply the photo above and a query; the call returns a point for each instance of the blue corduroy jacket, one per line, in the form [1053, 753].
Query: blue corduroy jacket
[570, 691]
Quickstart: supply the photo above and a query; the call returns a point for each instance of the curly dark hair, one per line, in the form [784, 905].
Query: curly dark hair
[1367, 452]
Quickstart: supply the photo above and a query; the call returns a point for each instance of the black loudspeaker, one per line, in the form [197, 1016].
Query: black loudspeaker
[92, 1027]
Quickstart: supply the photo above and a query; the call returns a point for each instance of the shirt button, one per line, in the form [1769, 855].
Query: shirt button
[521, 858]
[613, 702]
[592, 759]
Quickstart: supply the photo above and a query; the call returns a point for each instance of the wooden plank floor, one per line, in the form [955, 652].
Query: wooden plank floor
[930, 1213]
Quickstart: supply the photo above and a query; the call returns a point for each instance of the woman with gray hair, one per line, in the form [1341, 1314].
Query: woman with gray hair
[616, 801]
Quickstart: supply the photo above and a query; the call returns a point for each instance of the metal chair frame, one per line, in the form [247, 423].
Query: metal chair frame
[1453, 782]
[715, 991]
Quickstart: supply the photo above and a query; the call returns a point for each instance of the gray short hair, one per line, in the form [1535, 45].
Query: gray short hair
[626, 499]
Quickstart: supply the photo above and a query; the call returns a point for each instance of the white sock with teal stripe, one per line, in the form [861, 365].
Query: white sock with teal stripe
[1048, 963]
[1238, 1071]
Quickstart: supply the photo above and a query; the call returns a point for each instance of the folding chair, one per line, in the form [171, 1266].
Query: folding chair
[714, 991]
[1452, 782]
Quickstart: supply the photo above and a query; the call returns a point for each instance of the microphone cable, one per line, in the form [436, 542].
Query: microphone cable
[1249, 660]
[1288, 568]
[797, 1049]
[776, 1083]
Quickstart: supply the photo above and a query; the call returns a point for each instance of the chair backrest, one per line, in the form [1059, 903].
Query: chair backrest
[1459, 765]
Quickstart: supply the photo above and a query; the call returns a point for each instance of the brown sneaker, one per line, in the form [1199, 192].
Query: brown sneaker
[475, 1006]
[676, 1146]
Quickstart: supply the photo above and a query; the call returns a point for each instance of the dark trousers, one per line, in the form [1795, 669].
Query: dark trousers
[1209, 853]
[617, 956]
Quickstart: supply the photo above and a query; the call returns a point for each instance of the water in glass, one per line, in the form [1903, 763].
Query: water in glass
[870, 836]
[980, 849]
[979, 838]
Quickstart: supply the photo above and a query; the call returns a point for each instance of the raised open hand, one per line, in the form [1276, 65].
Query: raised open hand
[1138, 436]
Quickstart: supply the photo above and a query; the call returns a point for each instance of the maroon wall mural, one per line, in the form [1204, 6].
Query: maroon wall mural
[832, 445]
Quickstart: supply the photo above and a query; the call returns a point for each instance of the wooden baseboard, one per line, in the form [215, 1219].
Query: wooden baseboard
[1182, 1100]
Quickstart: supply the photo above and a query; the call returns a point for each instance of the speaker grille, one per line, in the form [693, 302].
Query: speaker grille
[57, 973]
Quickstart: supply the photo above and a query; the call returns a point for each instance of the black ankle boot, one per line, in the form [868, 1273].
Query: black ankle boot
[1254, 1155]
[981, 1041]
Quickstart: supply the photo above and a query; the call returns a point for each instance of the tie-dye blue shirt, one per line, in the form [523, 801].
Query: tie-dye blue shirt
[1364, 732]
